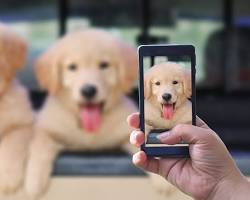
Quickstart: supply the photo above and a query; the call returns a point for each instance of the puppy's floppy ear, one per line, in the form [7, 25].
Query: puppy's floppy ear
[13, 52]
[187, 83]
[147, 86]
[128, 71]
[47, 69]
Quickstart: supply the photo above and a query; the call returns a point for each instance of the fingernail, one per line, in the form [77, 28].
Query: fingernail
[136, 158]
[133, 137]
[163, 136]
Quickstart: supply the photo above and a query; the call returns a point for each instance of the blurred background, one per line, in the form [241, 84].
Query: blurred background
[219, 29]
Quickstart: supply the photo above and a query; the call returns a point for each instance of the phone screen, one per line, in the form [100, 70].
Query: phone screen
[167, 88]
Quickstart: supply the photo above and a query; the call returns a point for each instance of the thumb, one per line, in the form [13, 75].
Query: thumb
[184, 133]
[201, 123]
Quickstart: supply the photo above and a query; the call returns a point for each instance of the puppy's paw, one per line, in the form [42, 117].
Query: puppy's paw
[161, 185]
[11, 178]
[36, 186]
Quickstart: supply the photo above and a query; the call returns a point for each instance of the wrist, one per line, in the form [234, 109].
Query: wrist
[233, 186]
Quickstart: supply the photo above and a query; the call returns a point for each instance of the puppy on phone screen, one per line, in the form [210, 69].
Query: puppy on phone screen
[167, 90]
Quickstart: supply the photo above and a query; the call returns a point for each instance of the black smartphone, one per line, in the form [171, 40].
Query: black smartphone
[167, 95]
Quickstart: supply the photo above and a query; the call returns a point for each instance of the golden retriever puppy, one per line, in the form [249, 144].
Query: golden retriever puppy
[16, 116]
[86, 74]
[167, 87]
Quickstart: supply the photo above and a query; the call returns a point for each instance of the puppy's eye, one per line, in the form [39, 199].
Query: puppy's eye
[175, 82]
[72, 67]
[103, 65]
[157, 83]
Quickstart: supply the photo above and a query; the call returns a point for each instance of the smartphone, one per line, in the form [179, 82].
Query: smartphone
[167, 95]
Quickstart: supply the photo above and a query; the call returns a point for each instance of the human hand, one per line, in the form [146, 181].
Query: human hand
[209, 173]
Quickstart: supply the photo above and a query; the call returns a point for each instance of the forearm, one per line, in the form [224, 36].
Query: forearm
[235, 187]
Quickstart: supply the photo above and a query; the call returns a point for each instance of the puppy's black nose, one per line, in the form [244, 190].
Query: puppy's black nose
[166, 96]
[88, 91]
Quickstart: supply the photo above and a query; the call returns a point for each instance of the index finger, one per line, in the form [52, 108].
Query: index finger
[134, 120]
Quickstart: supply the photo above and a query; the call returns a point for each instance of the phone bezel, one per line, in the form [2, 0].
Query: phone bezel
[166, 50]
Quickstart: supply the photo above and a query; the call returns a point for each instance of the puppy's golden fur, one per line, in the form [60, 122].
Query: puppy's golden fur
[171, 79]
[15, 112]
[87, 57]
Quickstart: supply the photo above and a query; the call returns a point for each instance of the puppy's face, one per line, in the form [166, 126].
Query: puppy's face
[92, 77]
[93, 68]
[167, 86]
[13, 52]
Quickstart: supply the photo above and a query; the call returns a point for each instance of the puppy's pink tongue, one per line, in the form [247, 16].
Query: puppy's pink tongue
[91, 117]
[168, 111]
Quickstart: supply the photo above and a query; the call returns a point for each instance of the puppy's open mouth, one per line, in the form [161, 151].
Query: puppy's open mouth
[91, 116]
[168, 110]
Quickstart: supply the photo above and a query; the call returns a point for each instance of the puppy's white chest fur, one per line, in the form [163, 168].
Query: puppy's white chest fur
[65, 128]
